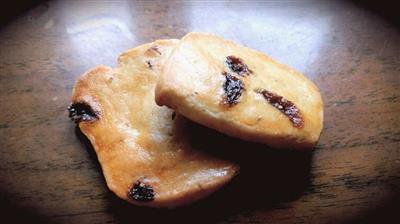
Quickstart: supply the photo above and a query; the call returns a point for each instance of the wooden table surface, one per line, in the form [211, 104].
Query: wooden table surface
[49, 173]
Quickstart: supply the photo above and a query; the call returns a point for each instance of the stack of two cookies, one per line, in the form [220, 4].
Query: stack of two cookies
[145, 153]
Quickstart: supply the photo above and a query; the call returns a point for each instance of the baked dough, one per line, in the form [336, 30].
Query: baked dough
[143, 149]
[241, 92]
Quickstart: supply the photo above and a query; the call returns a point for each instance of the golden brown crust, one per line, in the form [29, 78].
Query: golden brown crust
[135, 140]
[192, 84]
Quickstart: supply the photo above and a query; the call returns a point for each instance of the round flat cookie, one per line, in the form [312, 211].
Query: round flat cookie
[144, 151]
[241, 92]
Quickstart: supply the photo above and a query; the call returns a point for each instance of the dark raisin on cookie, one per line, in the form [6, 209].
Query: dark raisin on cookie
[141, 192]
[155, 48]
[285, 106]
[233, 89]
[149, 64]
[237, 65]
[81, 111]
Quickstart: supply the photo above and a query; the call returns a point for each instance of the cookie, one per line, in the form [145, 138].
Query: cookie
[144, 150]
[241, 92]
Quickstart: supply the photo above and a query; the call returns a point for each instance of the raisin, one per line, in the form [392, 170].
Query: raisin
[141, 192]
[233, 88]
[155, 48]
[149, 64]
[81, 111]
[285, 106]
[237, 65]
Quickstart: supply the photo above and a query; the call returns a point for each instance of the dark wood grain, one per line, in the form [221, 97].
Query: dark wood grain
[48, 171]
